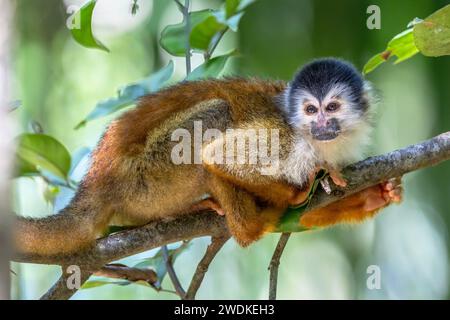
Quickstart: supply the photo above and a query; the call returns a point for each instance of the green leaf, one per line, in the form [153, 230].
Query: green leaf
[432, 36]
[204, 32]
[173, 37]
[244, 4]
[373, 63]
[402, 46]
[158, 264]
[211, 68]
[100, 283]
[129, 94]
[81, 28]
[77, 156]
[50, 193]
[231, 7]
[290, 221]
[233, 21]
[39, 153]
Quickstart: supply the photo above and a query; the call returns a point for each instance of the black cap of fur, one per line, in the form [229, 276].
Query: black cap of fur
[320, 75]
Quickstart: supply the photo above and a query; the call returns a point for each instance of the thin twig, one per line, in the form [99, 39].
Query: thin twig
[212, 250]
[214, 44]
[180, 5]
[171, 271]
[275, 263]
[187, 26]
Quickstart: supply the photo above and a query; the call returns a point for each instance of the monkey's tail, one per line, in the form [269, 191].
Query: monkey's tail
[67, 231]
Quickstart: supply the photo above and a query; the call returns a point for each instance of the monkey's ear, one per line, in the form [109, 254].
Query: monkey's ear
[370, 96]
[370, 100]
[282, 100]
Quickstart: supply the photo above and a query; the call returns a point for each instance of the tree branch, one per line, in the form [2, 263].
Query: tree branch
[212, 250]
[60, 290]
[187, 20]
[275, 263]
[155, 234]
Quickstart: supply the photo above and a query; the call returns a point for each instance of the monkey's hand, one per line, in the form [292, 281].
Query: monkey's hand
[335, 175]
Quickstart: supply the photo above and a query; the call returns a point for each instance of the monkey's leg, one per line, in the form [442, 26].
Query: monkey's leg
[357, 207]
[246, 221]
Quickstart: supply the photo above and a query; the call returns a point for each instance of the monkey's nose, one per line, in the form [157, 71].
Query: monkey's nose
[322, 123]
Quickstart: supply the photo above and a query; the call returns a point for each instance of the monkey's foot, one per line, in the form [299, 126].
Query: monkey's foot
[391, 192]
[208, 204]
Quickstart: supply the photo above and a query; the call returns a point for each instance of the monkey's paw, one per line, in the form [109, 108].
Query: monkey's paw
[337, 178]
[391, 192]
[335, 175]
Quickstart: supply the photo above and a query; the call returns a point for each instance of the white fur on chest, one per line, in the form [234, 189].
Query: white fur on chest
[300, 161]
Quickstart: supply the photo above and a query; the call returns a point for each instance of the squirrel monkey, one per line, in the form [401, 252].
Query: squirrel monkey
[322, 118]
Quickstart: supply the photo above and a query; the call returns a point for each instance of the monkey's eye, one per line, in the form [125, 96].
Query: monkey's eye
[332, 106]
[310, 109]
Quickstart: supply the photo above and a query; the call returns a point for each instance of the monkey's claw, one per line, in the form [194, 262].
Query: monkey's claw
[325, 183]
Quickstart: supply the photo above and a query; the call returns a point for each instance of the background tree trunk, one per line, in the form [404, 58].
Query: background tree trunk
[5, 149]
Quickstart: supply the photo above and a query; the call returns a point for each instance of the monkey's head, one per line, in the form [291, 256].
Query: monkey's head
[327, 99]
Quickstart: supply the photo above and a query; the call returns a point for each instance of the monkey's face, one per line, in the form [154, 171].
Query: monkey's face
[325, 118]
[326, 100]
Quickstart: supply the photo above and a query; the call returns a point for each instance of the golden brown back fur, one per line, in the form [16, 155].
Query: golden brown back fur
[131, 179]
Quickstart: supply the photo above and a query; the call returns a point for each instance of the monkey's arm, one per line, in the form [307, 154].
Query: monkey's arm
[251, 178]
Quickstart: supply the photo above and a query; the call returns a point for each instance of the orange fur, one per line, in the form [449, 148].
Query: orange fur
[133, 127]
[351, 209]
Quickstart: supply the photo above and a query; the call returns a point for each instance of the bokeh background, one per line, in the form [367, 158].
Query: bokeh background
[59, 82]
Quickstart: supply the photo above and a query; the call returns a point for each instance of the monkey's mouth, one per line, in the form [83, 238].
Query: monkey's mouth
[325, 136]
[325, 133]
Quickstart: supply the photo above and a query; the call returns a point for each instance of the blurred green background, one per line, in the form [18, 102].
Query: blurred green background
[59, 82]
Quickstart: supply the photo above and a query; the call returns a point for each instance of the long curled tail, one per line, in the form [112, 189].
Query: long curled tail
[70, 230]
